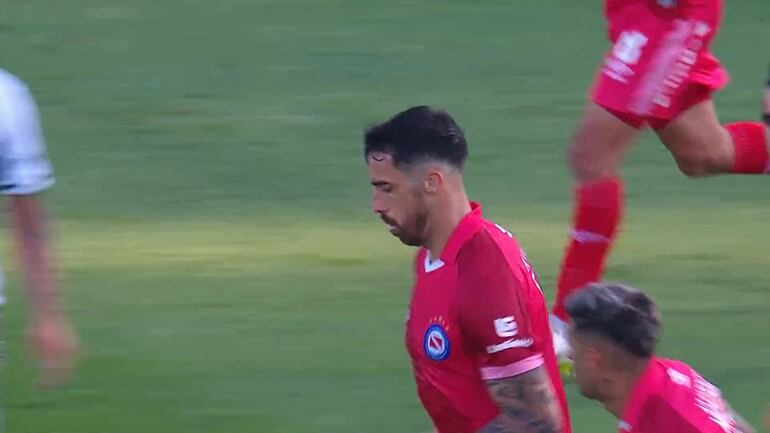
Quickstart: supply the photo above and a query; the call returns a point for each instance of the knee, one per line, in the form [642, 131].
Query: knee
[599, 145]
[692, 166]
[698, 163]
[579, 161]
[714, 156]
[586, 162]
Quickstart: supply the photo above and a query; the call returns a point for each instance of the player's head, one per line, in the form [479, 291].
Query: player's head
[414, 159]
[615, 329]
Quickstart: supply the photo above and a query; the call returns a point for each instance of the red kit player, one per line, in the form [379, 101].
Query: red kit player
[478, 332]
[614, 332]
[661, 73]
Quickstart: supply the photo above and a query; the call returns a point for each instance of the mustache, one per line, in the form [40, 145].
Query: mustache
[388, 221]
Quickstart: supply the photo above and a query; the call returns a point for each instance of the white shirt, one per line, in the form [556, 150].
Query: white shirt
[24, 165]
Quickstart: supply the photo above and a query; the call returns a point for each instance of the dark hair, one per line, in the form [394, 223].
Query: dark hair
[624, 315]
[417, 134]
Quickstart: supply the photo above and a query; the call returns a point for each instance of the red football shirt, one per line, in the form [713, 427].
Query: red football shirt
[696, 9]
[477, 313]
[671, 397]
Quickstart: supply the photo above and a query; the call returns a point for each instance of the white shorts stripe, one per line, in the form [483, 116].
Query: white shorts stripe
[670, 52]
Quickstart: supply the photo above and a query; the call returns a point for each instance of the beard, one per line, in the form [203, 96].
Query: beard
[409, 237]
[412, 231]
[592, 390]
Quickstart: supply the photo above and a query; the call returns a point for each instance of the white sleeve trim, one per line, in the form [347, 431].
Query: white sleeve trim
[517, 368]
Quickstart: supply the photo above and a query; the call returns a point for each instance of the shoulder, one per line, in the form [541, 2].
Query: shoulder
[683, 396]
[490, 260]
[482, 252]
[16, 101]
[11, 81]
[12, 87]
[491, 243]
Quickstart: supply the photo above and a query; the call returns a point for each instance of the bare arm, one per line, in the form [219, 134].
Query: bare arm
[51, 336]
[30, 229]
[528, 404]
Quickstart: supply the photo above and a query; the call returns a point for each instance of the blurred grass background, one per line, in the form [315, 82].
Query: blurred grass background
[213, 215]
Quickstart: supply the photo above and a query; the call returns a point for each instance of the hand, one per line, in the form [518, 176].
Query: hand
[53, 343]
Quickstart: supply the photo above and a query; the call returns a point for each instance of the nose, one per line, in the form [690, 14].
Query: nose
[378, 203]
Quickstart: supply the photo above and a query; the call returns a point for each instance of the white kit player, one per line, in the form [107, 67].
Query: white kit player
[24, 173]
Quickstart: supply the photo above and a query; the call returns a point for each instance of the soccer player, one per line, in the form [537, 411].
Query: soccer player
[659, 73]
[24, 173]
[477, 331]
[613, 335]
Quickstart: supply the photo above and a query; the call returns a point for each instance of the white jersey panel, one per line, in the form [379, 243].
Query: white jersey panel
[24, 165]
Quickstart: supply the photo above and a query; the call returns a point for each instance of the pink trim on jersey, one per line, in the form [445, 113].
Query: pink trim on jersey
[671, 51]
[510, 370]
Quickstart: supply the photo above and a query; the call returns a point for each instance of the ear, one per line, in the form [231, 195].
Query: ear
[433, 181]
[597, 358]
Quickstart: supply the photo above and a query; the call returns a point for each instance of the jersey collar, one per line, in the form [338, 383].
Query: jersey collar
[468, 226]
[646, 387]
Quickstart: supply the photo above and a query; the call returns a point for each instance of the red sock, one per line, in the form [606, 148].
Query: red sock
[598, 210]
[751, 153]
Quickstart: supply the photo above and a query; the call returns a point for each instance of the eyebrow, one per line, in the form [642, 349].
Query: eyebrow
[380, 183]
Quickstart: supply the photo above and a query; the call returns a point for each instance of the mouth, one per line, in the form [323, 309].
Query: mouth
[392, 228]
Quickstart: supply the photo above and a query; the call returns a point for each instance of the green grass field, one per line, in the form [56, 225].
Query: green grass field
[213, 223]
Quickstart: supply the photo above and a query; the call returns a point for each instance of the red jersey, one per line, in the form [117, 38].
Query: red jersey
[477, 313]
[671, 397]
[672, 8]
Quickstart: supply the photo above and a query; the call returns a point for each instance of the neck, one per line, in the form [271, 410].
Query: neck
[622, 388]
[450, 210]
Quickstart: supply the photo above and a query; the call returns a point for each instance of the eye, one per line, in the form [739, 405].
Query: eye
[383, 187]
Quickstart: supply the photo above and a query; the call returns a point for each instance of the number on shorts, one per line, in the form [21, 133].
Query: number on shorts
[628, 49]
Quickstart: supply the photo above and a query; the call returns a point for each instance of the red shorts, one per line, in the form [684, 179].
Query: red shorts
[661, 62]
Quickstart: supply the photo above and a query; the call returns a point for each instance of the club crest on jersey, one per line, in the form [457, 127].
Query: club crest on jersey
[437, 343]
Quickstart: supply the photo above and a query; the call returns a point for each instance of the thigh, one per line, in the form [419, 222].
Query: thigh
[697, 138]
[600, 144]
